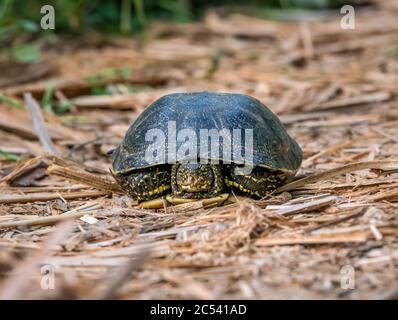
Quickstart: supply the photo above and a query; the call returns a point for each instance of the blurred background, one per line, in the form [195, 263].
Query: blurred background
[20, 20]
[132, 16]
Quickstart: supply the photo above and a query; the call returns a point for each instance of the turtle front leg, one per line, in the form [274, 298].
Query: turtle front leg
[146, 184]
[260, 182]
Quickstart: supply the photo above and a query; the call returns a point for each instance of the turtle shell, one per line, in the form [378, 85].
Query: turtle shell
[176, 119]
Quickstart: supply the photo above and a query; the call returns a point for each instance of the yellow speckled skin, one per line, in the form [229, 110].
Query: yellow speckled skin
[198, 181]
[260, 182]
[146, 184]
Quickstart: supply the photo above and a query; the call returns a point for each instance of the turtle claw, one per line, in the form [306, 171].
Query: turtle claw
[215, 201]
[206, 203]
[210, 202]
[157, 203]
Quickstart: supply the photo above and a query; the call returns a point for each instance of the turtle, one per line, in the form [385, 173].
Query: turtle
[190, 145]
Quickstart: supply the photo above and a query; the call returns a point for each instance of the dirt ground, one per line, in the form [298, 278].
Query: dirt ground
[67, 231]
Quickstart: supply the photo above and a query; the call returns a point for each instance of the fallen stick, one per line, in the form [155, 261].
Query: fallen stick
[383, 195]
[75, 213]
[22, 168]
[307, 206]
[81, 176]
[377, 164]
[354, 185]
[337, 221]
[330, 150]
[7, 199]
[330, 239]
[352, 101]
[43, 189]
[38, 123]
[343, 120]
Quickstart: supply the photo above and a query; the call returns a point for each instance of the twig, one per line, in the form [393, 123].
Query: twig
[81, 176]
[330, 150]
[22, 168]
[377, 164]
[336, 221]
[352, 101]
[310, 205]
[352, 237]
[7, 199]
[383, 195]
[74, 213]
[38, 123]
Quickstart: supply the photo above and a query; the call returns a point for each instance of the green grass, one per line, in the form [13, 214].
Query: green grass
[11, 102]
[8, 156]
[105, 16]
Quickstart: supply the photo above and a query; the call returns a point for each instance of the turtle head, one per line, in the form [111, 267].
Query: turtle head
[192, 177]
